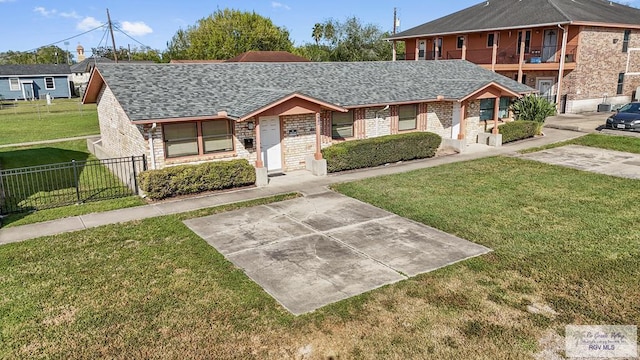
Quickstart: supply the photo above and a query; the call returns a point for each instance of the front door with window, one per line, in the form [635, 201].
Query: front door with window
[270, 145]
[550, 45]
[27, 91]
[545, 88]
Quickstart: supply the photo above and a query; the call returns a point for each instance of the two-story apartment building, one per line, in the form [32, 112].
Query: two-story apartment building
[576, 53]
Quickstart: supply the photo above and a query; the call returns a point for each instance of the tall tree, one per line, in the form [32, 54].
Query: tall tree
[126, 54]
[225, 34]
[350, 40]
[45, 55]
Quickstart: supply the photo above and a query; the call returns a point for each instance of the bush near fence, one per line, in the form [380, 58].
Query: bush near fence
[358, 154]
[518, 130]
[193, 179]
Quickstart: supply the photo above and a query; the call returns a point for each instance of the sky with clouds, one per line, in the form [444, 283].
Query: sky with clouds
[29, 24]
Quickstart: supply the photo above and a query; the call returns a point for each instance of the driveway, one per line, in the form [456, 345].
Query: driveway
[312, 251]
[602, 161]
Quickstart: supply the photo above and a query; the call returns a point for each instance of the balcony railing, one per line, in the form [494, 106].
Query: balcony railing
[536, 55]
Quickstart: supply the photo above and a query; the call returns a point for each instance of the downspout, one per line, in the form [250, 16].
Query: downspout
[152, 151]
[563, 54]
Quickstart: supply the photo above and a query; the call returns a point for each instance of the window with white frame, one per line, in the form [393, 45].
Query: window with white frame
[49, 83]
[342, 125]
[407, 117]
[14, 84]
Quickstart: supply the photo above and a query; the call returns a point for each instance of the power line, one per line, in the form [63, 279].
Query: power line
[127, 35]
[69, 38]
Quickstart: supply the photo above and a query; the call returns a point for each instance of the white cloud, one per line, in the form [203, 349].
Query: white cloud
[88, 23]
[279, 5]
[72, 15]
[136, 28]
[43, 11]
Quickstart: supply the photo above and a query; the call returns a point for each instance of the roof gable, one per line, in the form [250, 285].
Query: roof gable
[514, 14]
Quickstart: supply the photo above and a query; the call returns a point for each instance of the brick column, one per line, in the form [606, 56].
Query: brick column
[463, 121]
[318, 154]
[496, 111]
[393, 127]
[259, 162]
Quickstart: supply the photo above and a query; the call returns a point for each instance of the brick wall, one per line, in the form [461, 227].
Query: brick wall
[119, 136]
[378, 122]
[473, 127]
[299, 139]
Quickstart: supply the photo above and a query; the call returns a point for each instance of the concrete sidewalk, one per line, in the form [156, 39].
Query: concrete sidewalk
[591, 122]
[298, 181]
[49, 141]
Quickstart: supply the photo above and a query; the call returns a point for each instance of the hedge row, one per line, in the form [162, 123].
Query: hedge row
[517, 130]
[380, 150]
[193, 179]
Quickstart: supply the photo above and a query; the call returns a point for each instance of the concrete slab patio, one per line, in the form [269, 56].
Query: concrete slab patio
[312, 251]
[602, 161]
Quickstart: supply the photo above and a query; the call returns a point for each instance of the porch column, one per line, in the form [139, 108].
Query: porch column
[496, 112]
[393, 51]
[463, 121]
[436, 49]
[464, 49]
[259, 163]
[318, 154]
[563, 54]
[494, 56]
[521, 61]
[418, 50]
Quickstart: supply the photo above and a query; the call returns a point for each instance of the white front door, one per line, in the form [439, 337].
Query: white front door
[545, 88]
[270, 143]
[455, 123]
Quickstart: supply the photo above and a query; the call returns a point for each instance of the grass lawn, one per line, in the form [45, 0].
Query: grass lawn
[16, 157]
[611, 142]
[564, 253]
[26, 121]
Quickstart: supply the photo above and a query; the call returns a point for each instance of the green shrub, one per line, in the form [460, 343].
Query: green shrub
[358, 154]
[533, 108]
[517, 130]
[193, 179]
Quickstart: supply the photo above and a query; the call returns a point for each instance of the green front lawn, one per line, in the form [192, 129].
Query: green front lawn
[611, 142]
[26, 121]
[61, 183]
[565, 252]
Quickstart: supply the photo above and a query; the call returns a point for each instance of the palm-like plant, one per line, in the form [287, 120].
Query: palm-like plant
[533, 108]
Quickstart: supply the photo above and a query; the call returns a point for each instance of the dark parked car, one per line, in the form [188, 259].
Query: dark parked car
[626, 118]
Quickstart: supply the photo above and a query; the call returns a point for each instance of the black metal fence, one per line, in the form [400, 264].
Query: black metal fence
[55, 185]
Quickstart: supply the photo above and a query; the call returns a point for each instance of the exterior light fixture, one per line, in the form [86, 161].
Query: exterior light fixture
[250, 125]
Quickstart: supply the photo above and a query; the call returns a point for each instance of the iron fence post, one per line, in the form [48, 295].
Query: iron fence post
[135, 176]
[75, 176]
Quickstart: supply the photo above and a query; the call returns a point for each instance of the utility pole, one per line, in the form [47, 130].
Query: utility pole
[113, 40]
[395, 26]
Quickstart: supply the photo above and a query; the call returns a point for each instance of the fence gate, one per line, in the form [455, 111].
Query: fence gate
[54, 185]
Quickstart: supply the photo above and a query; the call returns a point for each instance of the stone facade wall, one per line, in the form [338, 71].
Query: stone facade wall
[119, 136]
[299, 139]
[439, 118]
[378, 122]
[473, 126]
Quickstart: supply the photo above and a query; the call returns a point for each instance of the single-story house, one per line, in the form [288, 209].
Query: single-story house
[279, 115]
[28, 82]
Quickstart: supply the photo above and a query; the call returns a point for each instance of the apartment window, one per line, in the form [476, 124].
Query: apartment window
[183, 139]
[524, 78]
[625, 41]
[217, 136]
[422, 46]
[460, 42]
[49, 84]
[504, 107]
[342, 125]
[486, 109]
[620, 84]
[491, 39]
[14, 84]
[527, 41]
[407, 117]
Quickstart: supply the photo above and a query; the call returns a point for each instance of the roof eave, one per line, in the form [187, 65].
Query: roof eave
[319, 102]
[472, 31]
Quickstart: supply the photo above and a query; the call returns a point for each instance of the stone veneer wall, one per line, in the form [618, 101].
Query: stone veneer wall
[439, 118]
[474, 126]
[119, 136]
[299, 139]
[378, 122]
